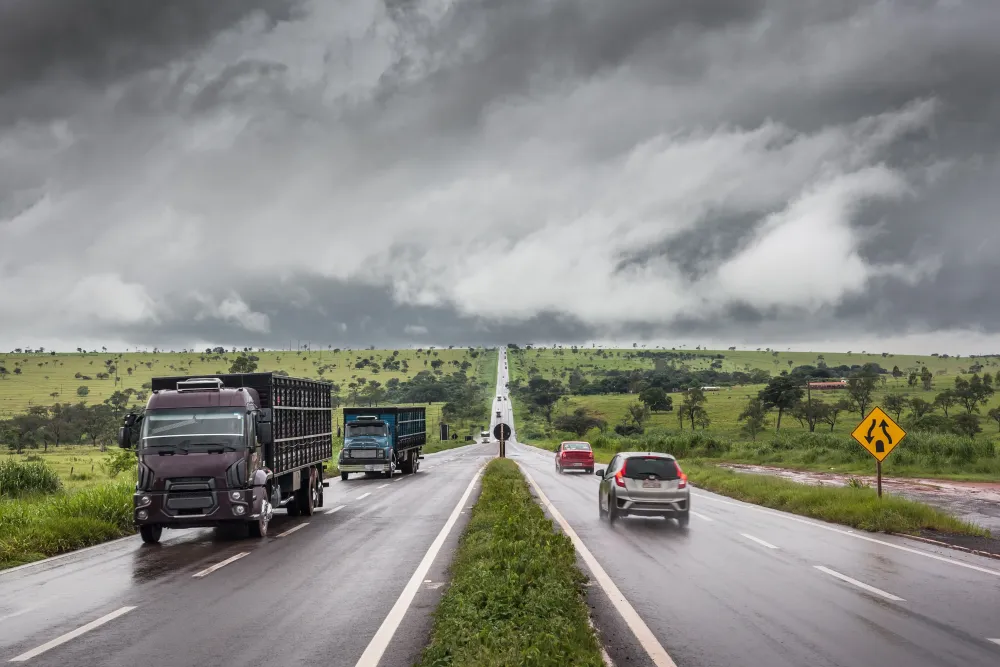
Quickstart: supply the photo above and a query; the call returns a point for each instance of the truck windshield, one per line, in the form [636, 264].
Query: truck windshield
[354, 429]
[192, 427]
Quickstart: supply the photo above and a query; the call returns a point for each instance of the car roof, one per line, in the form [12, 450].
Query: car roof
[660, 454]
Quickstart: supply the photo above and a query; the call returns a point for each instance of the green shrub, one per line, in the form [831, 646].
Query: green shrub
[19, 478]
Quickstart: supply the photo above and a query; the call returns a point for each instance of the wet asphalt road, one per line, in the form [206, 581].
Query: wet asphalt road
[740, 586]
[314, 596]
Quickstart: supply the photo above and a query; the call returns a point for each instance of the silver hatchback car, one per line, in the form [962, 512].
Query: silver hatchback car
[643, 484]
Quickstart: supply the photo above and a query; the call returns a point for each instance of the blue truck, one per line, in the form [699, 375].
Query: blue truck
[382, 440]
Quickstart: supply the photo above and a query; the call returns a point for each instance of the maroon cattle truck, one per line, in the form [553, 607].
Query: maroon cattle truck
[225, 450]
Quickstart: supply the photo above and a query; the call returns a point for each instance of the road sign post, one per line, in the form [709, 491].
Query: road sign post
[879, 434]
[502, 433]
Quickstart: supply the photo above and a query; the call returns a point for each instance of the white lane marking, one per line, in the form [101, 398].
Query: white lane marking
[383, 486]
[759, 541]
[209, 570]
[926, 554]
[646, 638]
[703, 517]
[870, 589]
[71, 635]
[376, 647]
[333, 509]
[995, 641]
[293, 529]
[48, 560]
[17, 613]
[363, 496]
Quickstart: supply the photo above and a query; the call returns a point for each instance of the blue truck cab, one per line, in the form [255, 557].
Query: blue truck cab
[381, 440]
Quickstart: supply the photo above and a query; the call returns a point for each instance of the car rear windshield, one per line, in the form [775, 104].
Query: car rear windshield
[583, 446]
[642, 467]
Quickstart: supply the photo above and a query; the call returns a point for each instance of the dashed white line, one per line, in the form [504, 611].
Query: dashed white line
[859, 584]
[383, 636]
[703, 517]
[759, 541]
[71, 635]
[333, 509]
[363, 496]
[209, 570]
[995, 641]
[642, 633]
[381, 487]
[789, 517]
[293, 529]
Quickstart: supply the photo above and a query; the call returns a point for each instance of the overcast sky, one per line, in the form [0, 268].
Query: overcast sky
[812, 174]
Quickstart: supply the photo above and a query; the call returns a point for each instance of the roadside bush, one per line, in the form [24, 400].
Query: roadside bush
[118, 461]
[20, 478]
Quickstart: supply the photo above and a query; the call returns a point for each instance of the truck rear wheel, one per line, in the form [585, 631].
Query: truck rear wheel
[151, 533]
[343, 477]
[406, 466]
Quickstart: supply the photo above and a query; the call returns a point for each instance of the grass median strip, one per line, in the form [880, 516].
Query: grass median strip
[516, 596]
[857, 507]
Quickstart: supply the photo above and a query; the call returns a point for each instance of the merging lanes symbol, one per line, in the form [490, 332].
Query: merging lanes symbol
[879, 434]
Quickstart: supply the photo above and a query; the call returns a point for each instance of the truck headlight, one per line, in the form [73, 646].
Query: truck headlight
[142, 514]
[236, 495]
[239, 509]
[144, 500]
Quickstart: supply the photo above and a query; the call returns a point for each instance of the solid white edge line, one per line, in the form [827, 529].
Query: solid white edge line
[380, 642]
[209, 570]
[789, 517]
[293, 529]
[50, 559]
[859, 584]
[995, 641]
[381, 487]
[71, 635]
[759, 541]
[363, 496]
[702, 516]
[642, 633]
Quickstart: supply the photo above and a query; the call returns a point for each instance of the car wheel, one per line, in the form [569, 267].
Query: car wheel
[612, 508]
[600, 509]
[151, 533]
[343, 476]
[683, 519]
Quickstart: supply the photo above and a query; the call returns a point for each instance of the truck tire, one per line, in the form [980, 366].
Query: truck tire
[343, 476]
[406, 466]
[151, 533]
[388, 473]
[257, 529]
[306, 499]
[293, 506]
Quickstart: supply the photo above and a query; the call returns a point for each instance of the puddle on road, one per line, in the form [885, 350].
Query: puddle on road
[978, 502]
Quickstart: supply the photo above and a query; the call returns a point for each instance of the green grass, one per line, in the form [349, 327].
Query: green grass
[40, 526]
[77, 466]
[20, 478]
[46, 379]
[516, 596]
[857, 507]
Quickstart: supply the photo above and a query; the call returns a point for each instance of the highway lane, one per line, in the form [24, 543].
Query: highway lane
[743, 585]
[317, 588]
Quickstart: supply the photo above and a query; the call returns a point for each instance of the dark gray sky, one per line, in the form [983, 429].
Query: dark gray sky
[751, 172]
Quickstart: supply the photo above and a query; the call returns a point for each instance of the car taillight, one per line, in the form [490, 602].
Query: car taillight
[684, 478]
[620, 476]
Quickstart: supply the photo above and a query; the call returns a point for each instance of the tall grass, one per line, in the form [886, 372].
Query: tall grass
[19, 478]
[36, 527]
[516, 593]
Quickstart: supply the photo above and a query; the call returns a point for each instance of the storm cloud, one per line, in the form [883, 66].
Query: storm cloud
[765, 172]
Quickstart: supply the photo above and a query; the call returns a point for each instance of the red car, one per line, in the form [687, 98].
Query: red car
[574, 455]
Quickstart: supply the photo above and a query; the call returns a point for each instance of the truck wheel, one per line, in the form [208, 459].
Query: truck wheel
[293, 506]
[392, 464]
[258, 529]
[407, 465]
[151, 533]
[343, 476]
[306, 500]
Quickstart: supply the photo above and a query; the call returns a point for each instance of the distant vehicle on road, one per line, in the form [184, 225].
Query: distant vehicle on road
[484, 436]
[574, 455]
[643, 484]
[381, 440]
[498, 414]
[224, 450]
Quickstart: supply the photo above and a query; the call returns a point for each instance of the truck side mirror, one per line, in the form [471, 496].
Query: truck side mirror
[125, 437]
[264, 432]
[264, 415]
[130, 419]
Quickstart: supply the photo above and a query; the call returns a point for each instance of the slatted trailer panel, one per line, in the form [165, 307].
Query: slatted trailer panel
[301, 415]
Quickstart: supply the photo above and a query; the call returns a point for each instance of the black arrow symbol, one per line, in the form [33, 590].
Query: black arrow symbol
[870, 437]
[885, 429]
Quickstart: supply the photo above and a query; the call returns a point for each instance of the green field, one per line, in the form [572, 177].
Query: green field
[45, 379]
[922, 454]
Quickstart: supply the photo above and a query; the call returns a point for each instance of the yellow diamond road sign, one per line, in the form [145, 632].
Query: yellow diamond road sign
[878, 433]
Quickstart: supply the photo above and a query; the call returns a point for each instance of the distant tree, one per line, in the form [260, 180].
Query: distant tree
[781, 393]
[926, 378]
[843, 405]
[17, 370]
[895, 404]
[578, 422]
[920, 408]
[244, 364]
[972, 393]
[693, 407]
[994, 414]
[82, 390]
[638, 412]
[945, 400]
[860, 390]
[810, 413]
[656, 399]
[754, 417]
[912, 379]
[967, 424]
